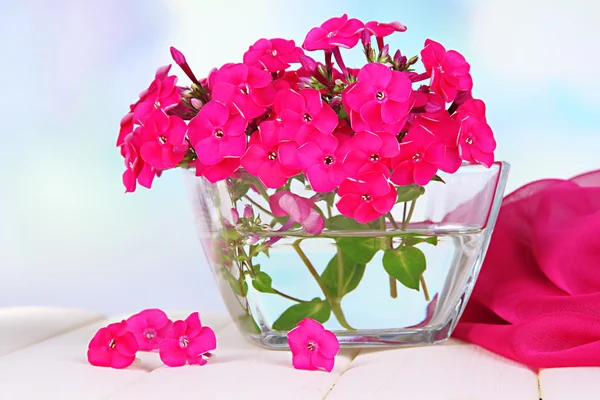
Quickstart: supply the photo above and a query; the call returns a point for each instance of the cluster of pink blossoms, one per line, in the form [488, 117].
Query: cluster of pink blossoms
[357, 132]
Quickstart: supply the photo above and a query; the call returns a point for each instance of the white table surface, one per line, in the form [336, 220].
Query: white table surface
[43, 356]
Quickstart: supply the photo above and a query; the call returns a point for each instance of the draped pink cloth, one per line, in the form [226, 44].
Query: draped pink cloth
[537, 298]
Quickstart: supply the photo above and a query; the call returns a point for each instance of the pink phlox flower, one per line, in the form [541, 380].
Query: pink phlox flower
[369, 150]
[217, 172]
[136, 169]
[149, 328]
[299, 209]
[270, 159]
[312, 346]
[164, 141]
[322, 163]
[380, 99]
[113, 346]
[335, 32]
[273, 55]
[246, 90]
[476, 139]
[449, 71]
[366, 198]
[420, 156]
[216, 135]
[303, 113]
[381, 29]
[162, 94]
[187, 341]
[446, 130]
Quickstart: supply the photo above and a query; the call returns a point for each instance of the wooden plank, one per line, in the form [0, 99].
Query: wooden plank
[444, 372]
[570, 383]
[23, 326]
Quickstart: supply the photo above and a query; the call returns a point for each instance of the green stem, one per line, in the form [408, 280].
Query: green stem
[425, 291]
[258, 205]
[253, 273]
[335, 305]
[410, 214]
[392, 220]
[389, 243]
[287, 296]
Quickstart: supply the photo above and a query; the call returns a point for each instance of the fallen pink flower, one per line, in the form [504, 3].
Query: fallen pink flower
[299, 209]
[187, 342]
[113, 346]
[313, 347]
[149, 327]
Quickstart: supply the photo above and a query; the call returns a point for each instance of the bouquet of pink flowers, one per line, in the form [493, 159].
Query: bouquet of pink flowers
[361, 132]
[281, 125]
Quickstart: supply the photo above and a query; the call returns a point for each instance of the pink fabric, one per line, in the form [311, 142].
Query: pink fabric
[537, 298]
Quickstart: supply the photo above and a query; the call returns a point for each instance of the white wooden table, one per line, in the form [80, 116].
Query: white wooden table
[43, 356]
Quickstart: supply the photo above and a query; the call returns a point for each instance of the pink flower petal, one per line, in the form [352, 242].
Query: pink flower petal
[274, 203]
[390, 146]
[254, 158]
[368, 142]
[424, 172]
[358, 94]
[208, 150]
[365, 213]
[171, 353]
[309, 154]
[100, 356]
[325, 120]
[375, 74]
[316, 39]
[193, 324]
[384, 204]
[289, 100]
[393, 111]
[203, 342]
[403, 173]
[121, 361]
[302, 360]
[348, 203]
[329, 345]
[178, 329]
[486, 159]
[287, 154]
[399, 88]
[217, 113]
[371, 112]
[127, 344]
[231, 146]
[271, 175]
[318, 361]
[314, 223]
[294, 206]
[318, 176]
[297, 340]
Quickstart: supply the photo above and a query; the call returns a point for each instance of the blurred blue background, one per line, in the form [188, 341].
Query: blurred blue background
[69, 236]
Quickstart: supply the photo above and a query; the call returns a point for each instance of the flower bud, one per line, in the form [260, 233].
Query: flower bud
[197, 104]
[248, 212]
[235, 216]
[365, 37]
[252, 239]
[307, 63]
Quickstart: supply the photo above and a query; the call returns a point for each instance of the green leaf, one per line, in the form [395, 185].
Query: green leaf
[438, 178]
[263, 282]
[316, 309]
[409, 193]
[406, 264]
[235, 286]
[239, 188]
[341, 223]
[340, 284]
[414, 240]
[358, 249]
